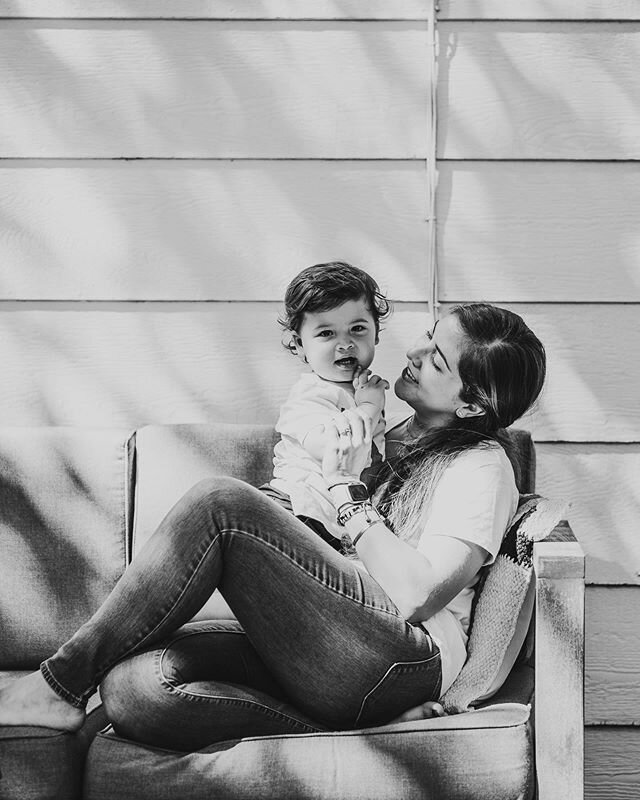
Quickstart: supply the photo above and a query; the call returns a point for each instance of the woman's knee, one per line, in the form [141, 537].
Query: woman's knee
[222, 492]
[216, 487]
[133, 696]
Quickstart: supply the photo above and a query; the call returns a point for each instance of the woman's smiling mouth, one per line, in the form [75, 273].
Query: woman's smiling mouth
[407, 375]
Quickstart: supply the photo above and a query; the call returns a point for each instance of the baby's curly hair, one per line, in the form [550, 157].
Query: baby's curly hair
[325, 286]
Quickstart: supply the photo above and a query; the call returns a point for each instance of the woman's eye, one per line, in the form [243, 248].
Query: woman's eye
[324, 334]
[358, 329]
[433, 361]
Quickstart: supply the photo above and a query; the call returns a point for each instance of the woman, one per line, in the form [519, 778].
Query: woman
[322, 640]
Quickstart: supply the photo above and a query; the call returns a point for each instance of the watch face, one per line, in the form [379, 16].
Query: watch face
[358, 492]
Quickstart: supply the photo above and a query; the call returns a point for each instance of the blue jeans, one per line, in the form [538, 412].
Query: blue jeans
[318, 644]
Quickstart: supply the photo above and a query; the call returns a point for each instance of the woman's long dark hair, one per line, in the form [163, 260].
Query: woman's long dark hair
[502, 367]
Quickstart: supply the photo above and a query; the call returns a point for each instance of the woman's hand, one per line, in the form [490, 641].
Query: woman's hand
[348, 446]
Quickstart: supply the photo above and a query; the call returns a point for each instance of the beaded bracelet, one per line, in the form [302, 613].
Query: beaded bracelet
[348, 510]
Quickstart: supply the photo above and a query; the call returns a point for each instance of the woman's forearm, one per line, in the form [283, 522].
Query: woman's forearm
[420, 585]
[406, 575]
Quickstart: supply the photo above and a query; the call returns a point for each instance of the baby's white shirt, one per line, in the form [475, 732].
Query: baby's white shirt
[312, 402]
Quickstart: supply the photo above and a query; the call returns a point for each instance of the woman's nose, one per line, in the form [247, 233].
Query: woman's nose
[416, 351]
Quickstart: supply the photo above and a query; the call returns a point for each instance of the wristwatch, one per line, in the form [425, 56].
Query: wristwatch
[348, 493]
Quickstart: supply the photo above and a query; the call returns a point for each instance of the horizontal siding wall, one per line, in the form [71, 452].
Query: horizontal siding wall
[496, 102]
[613, 642]
[212, 89]
[323, 9]
[602, 481]
[50, 349]
[174, 219]
[216, 229]
[166, 168]
[162, 179]
[217, 9]
[538, 198]
[537, 231]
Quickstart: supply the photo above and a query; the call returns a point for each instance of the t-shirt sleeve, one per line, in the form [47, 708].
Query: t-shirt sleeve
[307, 407]
[474, 500]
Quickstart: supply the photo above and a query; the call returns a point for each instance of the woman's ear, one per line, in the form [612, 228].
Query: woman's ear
[469, 410]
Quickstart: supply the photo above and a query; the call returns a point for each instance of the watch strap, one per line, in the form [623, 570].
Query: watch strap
[347, 493]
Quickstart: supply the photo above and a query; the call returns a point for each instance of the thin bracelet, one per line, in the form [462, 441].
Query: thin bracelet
[356, 538]
[371, 514]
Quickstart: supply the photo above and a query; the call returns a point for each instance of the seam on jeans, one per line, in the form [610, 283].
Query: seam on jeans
[421, 662]
[121, 656]
[204, 698]
[208, 627]
[313, 577]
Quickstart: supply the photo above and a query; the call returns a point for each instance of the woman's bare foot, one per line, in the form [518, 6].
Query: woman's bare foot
[426, 711]
[31, 701]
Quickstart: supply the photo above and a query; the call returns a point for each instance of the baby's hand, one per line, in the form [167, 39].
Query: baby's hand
[426, 711]
[369, 391]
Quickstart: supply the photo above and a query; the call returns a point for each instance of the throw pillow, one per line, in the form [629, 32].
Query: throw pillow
[503, 606]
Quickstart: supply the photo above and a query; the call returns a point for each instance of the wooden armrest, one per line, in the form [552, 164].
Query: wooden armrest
[558, 563]
[559, 555]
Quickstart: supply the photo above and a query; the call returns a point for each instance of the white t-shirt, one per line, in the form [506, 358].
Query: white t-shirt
[474, 500]
[312, 402]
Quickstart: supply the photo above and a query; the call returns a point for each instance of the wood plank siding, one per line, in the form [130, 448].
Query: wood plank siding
[166, 167]
[205, 229]
[537, 205]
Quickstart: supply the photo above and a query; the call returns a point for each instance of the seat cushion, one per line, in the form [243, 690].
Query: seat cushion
[484, 754]
[42, 763]
[64, 525]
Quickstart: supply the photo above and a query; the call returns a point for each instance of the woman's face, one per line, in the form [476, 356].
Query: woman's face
[430, 383]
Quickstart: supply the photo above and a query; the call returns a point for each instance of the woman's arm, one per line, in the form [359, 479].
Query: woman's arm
[420, 584]
[422, 581]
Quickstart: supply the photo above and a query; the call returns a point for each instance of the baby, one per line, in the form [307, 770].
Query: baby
[332, 321]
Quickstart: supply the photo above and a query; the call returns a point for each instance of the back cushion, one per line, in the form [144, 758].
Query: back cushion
[170, 459]
[65, 499]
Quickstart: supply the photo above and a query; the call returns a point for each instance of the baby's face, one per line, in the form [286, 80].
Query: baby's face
[337, 341]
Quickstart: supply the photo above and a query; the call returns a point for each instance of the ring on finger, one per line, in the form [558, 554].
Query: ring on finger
[344, 432]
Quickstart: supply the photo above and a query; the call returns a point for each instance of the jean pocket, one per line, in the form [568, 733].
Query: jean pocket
[404, 685]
